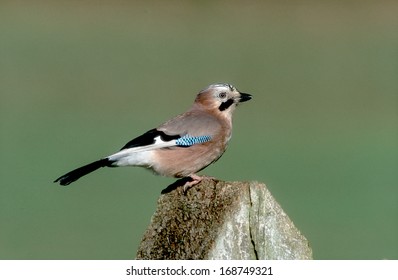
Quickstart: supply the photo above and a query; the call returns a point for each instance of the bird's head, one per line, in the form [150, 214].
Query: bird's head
[221, 97]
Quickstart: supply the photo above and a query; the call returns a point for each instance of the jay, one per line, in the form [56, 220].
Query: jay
[181, 146]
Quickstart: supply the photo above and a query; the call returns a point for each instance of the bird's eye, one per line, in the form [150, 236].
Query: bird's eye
[222, 95]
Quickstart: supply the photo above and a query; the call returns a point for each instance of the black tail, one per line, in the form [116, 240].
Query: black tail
[72, 176]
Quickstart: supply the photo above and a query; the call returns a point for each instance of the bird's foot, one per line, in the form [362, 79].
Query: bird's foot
[187, 183]
[195, 179]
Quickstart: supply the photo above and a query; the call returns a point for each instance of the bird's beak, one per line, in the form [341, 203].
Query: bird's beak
[244, 97]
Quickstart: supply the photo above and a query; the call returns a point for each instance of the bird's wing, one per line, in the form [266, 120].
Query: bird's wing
[177, 133]
[157, 139]
[192, 123]
[182, 131]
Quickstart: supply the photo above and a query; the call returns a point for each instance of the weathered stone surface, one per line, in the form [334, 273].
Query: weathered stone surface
[222, 220]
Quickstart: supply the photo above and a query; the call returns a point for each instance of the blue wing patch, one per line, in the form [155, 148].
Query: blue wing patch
[188, 140]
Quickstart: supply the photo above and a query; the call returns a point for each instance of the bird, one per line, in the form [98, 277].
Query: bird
[181, 146]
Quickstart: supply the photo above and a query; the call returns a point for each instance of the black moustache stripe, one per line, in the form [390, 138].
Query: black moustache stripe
[225, 105]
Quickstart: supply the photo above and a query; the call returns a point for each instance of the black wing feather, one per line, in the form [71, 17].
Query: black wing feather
[148, 138]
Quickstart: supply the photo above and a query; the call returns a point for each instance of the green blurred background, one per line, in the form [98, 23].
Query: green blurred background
[78, 79]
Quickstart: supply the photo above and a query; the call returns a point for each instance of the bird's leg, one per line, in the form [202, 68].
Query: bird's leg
[195, 179]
